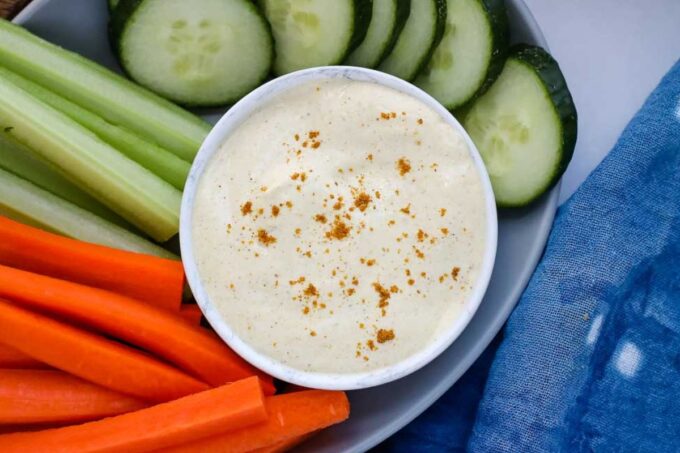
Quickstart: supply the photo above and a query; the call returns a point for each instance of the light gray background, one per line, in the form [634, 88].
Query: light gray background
[613, 53]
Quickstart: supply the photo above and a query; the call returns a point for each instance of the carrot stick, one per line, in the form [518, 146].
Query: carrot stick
[290, 415]
[158, 331]
[11, 358]
[284, 446]
[49, 396]
[191, 313]
[155, 280]
[193, 417]
[92, 357]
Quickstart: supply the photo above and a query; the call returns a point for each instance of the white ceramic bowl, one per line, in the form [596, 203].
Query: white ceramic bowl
[224, 127]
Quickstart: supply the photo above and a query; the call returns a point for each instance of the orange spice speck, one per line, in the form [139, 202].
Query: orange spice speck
[442, 212]
[362, 200]
[265, 238]
[289, 204]
[246, 208]
[311, 291]
[312, 333]
[411, 281]
[369, 157]
[339, 231]
[419, 121]
[406, 209]
[383, 294]
[320, 218]
[385, 335]
[454, 273]
[295, 282]
[275, 210]
[298, 231]
[444, 231]
[419, 253]
[404, 166]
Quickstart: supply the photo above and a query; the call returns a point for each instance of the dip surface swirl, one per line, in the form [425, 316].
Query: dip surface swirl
[341, 227]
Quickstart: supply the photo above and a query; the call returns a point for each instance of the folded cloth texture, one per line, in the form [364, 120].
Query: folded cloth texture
[590, 358]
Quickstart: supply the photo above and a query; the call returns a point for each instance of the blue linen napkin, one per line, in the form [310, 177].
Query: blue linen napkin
[590, 359]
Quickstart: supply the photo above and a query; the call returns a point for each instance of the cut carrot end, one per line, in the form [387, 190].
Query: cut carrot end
[204, 414]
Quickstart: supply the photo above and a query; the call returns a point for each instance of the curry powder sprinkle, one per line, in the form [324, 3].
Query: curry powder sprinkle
[404, 166]
[246, 208]
[339, 231]
[361, 201]
[265, 238]
[385, 335]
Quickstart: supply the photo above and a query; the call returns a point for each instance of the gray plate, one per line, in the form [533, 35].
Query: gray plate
[377, 413]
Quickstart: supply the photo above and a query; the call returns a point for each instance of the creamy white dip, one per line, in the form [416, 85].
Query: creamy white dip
[341, 227]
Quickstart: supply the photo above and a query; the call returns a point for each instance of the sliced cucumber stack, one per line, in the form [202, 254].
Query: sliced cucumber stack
[387, 21]
[199, 53]
[524, 127]
[312, 33]
[421, 34]
[471, 54]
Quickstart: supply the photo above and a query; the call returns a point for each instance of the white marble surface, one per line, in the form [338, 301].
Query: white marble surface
[613, 53]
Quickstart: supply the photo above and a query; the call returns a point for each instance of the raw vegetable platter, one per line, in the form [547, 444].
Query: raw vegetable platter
[83, 26]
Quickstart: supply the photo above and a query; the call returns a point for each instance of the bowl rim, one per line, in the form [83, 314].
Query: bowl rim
[238, 113]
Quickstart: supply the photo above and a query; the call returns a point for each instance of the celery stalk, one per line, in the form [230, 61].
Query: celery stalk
[160, 161]
[28, 203]
[121, 184]
[17, 159]
[101, 91]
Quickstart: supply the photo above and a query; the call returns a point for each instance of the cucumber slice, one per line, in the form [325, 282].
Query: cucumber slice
[124, 186]
[160, 161]
[524, 127]
[387, 21]
[17, 159]
[421, 34]
[101, 91]
[312, 33]
[198, 53]
[471, 54]
[27, 203]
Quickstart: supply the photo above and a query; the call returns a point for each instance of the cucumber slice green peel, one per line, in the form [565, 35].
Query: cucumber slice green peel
[525, 127]
[124, 186]
[160, 161]
[109, 95]
[471, 54]
[387, 21]
[417, 41]
[17, 159]
[27, 203]
[310, 33]
[198, 53]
